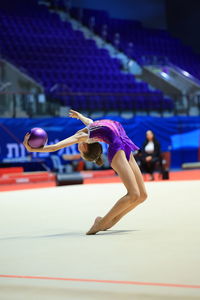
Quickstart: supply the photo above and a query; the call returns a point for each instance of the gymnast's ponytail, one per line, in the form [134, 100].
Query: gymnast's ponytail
[99, 161]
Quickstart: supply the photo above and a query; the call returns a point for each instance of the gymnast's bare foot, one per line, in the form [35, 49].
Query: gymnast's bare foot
[95, 227]
[108, 227]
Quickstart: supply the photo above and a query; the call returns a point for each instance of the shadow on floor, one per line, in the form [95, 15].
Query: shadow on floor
[65, 235]
[118, 232]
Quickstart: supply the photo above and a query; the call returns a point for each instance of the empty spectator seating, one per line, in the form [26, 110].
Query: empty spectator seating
[61, 59]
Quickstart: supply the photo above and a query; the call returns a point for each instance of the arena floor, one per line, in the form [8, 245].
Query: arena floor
[153, 253]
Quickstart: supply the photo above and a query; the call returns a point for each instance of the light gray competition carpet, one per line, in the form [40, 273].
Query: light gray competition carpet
[153, 253]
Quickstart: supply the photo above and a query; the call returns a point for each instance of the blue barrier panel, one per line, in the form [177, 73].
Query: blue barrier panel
[180, 135]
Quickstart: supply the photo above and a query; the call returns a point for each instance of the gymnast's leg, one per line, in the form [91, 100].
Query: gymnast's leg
[142, 189]
[133, 197]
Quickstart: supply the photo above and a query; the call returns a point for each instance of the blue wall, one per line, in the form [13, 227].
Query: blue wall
[150, 12]
[181, 135]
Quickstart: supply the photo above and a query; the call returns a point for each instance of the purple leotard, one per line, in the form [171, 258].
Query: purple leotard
[112, 133]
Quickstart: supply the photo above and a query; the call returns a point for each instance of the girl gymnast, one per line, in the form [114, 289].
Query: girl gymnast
[119, 155]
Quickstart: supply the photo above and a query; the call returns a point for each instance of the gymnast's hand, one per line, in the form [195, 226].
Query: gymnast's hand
[74, 114]
[82, 118]
[25, 143]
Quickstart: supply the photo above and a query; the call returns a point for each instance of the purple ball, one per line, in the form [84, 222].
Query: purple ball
[38, 137]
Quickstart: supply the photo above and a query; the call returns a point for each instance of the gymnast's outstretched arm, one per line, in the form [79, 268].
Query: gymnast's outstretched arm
[77, 115]
[74, 139]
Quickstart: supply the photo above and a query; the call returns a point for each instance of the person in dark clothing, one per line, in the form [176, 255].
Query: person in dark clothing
[150, 154]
